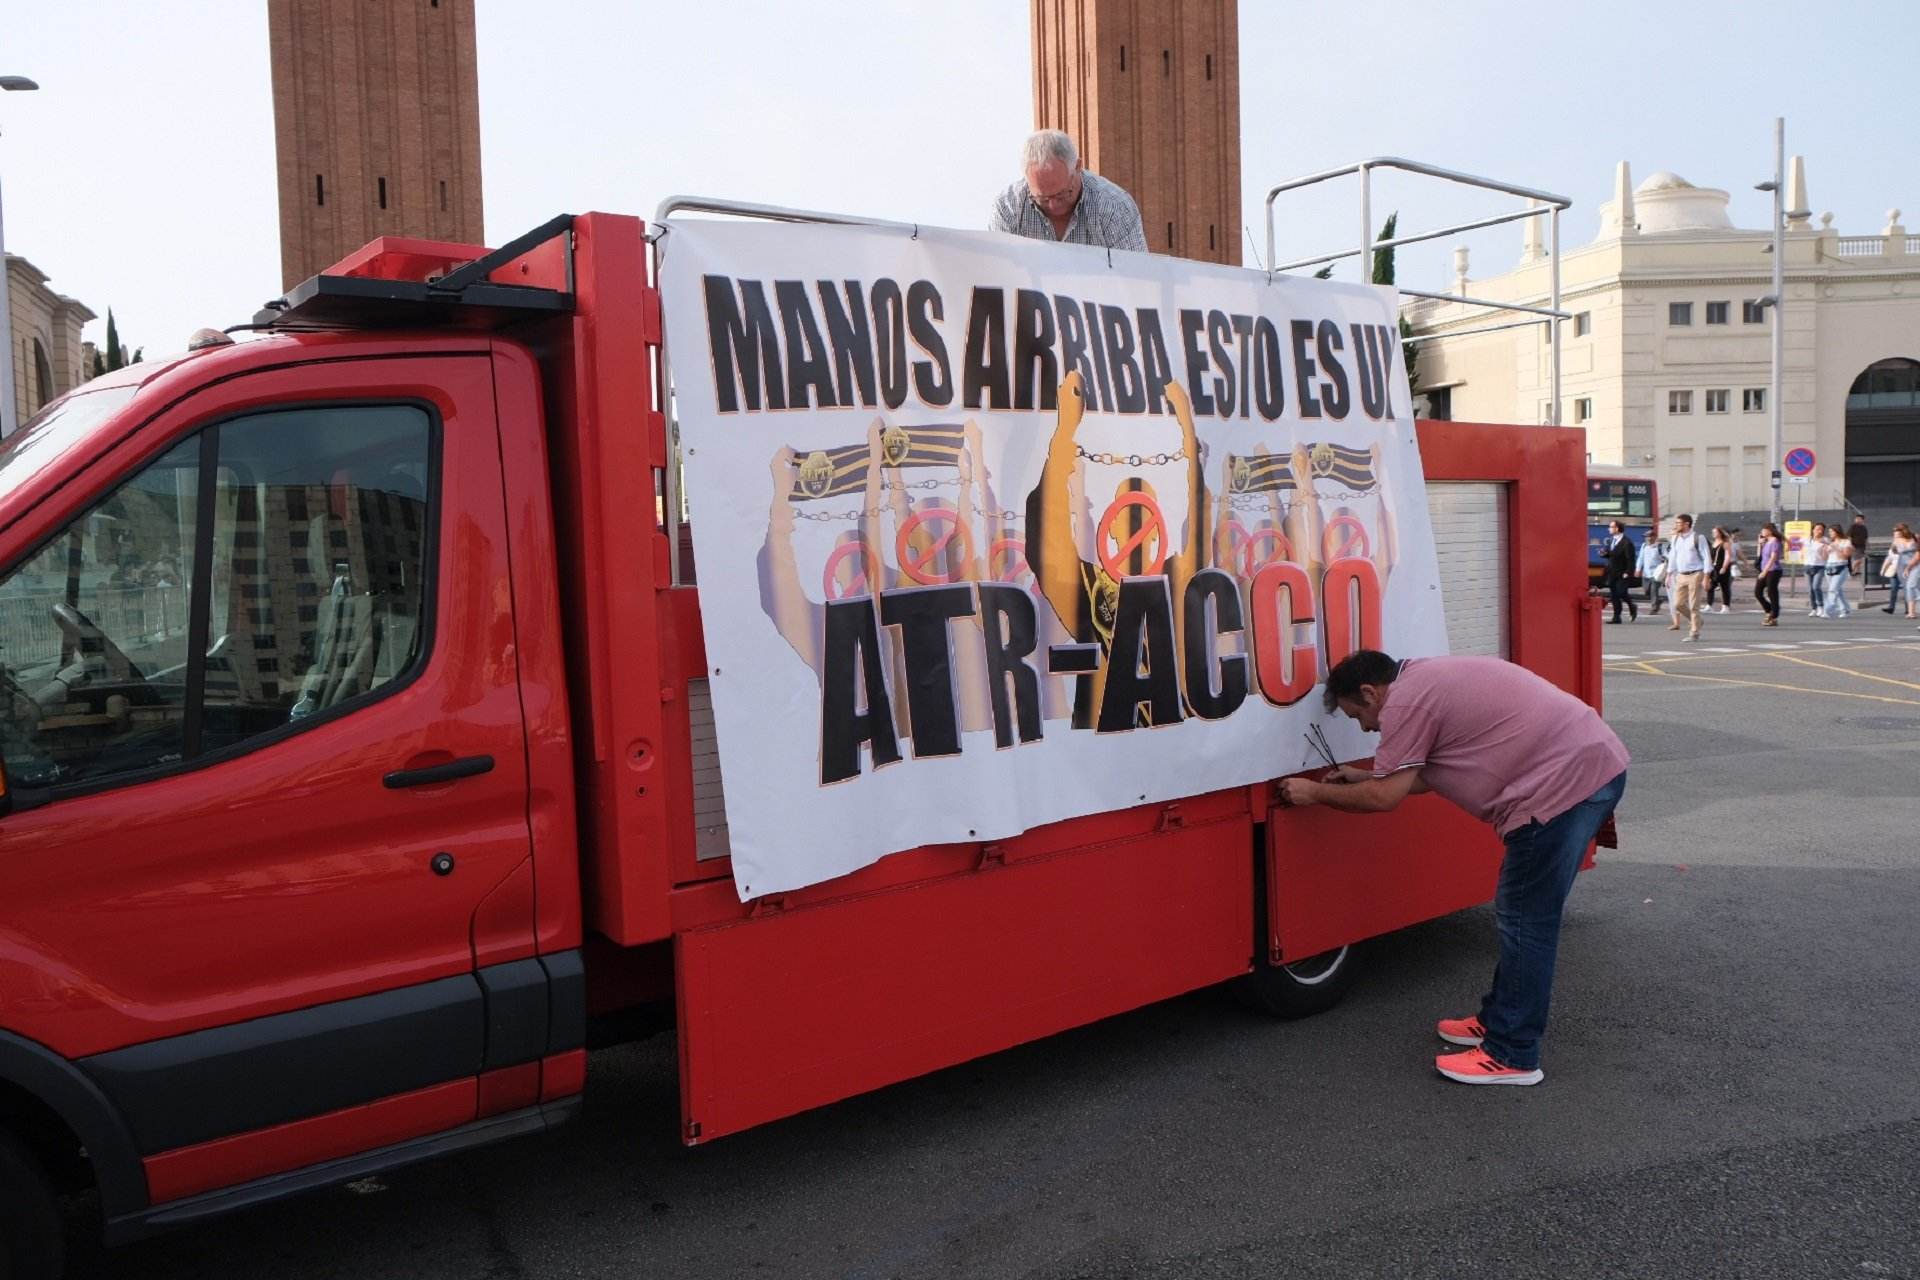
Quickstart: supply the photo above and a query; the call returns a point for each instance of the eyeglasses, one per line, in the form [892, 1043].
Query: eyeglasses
[1065, 196]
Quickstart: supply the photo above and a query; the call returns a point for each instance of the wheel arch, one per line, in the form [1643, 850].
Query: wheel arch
[40, 1089]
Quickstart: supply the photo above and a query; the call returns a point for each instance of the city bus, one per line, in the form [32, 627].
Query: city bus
[1632, 500]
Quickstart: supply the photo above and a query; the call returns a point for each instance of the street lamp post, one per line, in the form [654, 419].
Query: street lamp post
[1777, 299]
[7, 422]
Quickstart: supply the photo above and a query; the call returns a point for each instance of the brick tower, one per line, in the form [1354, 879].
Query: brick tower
[376, 122]
[1150, 90]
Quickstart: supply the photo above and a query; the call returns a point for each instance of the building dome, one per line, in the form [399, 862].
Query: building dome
[1665, 180]
[1667, 204]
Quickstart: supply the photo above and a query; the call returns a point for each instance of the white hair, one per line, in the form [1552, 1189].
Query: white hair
[1045, 147]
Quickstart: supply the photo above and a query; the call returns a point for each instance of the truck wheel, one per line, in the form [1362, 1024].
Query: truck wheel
[32, 1239]
[1296, 990]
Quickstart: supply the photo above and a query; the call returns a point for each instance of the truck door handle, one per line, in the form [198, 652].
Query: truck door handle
[453, 770]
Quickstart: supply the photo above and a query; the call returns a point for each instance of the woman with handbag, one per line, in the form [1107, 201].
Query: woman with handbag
[1839, 569]
[1902, 555]
[1720, 575]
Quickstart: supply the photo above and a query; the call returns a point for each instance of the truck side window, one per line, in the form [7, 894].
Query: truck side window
[308, 566]
[320, 534]
[93, 634]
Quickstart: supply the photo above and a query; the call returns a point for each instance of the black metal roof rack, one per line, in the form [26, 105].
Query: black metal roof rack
[463, 298]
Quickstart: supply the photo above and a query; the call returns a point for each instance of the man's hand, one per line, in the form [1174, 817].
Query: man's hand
[1298, 793]
[1345, 773]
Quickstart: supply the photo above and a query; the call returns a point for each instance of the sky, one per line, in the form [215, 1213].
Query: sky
[141, 176]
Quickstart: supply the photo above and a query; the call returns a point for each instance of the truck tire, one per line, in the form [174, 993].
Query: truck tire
[1299, 989]
[32, 1237]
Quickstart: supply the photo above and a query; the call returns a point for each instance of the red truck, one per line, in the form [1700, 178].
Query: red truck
[343, 793]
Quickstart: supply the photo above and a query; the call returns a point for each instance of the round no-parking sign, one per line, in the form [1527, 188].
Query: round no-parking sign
[1799, 462]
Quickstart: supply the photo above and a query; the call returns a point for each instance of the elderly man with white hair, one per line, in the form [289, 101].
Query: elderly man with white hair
[1059, 200]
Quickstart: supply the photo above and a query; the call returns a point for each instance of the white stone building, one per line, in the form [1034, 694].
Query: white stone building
[1667, 361]
[49, 358]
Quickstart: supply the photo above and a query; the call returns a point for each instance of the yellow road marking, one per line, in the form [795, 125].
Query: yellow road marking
[1763, 653]
[1904, 684]
[1649, 669]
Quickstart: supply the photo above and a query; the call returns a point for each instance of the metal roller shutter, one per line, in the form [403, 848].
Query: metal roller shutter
[1470, 538]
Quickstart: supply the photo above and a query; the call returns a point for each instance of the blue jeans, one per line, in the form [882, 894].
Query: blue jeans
[1535, 878]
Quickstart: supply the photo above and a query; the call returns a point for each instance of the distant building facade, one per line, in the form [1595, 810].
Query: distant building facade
[49, 358]
[1667, 361]
[376, 120]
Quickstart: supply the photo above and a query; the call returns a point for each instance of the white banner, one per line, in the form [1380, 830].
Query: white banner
[993, 533]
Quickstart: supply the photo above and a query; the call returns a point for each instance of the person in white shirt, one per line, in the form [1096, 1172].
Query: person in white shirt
[1688, 561]
[1814, 557]
[1839, 568]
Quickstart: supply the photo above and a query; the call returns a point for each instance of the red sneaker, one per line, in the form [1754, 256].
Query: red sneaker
[1463, 1031]
[1474, 1066]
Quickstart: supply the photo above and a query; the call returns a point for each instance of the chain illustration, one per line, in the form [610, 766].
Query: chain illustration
[1133, 459]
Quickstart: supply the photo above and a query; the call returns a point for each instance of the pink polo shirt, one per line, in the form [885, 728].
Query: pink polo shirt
[1495, 739]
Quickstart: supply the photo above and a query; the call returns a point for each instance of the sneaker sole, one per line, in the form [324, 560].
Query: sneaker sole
[1534, 1076]
[1465, 1042]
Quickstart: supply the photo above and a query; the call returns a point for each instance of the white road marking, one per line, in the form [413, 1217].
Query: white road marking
[1664, 653]
[1826, 642]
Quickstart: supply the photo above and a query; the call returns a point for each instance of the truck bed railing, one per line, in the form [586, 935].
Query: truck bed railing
[1541, 204]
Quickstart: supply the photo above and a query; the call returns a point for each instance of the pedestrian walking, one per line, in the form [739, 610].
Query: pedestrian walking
[1903, 553]
[1688, 561]
[1813, 558]
[1653, 569]
[1620, 556]
[1766, 584]
[1839, 568]
[1514, 751]
[1720, 574]
[1857, 535]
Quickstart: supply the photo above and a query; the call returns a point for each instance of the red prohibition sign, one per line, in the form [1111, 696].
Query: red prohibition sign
[1017, 568]
[830, 577]
[1250, 558]
[915, 567]
[1355, 543]
[1155, 527]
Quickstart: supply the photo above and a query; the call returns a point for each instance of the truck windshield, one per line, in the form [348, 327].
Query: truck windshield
[54, 430]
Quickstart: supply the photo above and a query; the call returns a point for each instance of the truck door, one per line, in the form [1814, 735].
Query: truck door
[271, 720]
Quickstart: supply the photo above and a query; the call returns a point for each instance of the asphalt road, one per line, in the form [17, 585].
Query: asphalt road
[1733, 1073]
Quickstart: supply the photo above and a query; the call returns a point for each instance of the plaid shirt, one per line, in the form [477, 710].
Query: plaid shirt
[1104, 215]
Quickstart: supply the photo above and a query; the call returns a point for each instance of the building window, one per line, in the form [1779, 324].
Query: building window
[1440, 404]
[1754, 400]
[1582, 409]
[1679, 402]
[383, 193]
[1716, 313]
[1582, 323]
[1679, 313]
[1717, 401]
[1751, 312]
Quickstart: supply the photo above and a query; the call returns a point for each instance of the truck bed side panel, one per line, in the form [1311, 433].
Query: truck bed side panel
[802, 1006]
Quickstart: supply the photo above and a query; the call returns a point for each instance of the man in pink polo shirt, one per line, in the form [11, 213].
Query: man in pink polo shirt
[1514, 751]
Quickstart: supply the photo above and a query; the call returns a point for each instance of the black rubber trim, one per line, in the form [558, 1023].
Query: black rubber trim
[122, 1228]
[516, 995]
[192, 1088]
[566, 1001]
[452, 771]
[88, 1112]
